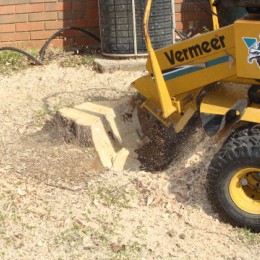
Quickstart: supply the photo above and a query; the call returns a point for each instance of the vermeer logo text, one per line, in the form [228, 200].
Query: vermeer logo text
[195, 50]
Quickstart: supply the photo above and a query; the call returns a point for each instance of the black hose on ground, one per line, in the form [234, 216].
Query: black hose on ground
[43, 49]
[22, 52]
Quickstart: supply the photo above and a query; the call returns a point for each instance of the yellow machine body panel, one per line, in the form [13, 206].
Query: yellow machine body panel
[191, 51]
[223, 101]
[251, 114]
[247, 40]
[219, 100]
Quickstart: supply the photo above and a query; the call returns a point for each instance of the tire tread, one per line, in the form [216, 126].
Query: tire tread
[242, 148]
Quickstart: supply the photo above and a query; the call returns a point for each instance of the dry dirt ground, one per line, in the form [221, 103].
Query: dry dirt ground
[56, 205]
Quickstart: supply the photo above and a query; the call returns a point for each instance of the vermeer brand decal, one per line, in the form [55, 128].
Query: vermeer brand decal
[196, 50]
[253, 50]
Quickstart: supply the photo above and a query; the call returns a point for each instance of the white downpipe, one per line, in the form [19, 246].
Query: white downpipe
[173, 21]
[134, 28]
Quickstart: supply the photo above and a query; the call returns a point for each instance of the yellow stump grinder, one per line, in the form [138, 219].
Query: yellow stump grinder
[183, 79]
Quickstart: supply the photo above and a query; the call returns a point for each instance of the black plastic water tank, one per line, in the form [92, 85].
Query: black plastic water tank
[121, 26]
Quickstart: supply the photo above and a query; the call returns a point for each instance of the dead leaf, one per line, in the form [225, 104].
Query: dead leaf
[150, 200]
[117, 248]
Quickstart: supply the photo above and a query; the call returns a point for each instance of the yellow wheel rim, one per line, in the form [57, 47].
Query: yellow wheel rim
[244, 189]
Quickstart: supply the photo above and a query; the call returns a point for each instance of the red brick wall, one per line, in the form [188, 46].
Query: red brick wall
[28, 23]
[188, 14]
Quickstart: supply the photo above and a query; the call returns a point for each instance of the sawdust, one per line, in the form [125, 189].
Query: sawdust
[157, 153]
[55, 204]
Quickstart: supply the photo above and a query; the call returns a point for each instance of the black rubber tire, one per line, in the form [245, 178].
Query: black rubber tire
[236, 154]
[245, 130]
[254, 94]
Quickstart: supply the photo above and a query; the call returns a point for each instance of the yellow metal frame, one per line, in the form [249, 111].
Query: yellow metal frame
[214, 15]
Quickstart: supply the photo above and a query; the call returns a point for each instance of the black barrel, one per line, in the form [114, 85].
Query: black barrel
[121, 26]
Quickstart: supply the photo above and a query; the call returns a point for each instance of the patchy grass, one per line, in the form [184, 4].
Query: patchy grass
[248, 237]
[110, 195]
[76, 61]
[11, 61]
[60, 105]
[42, 112]
[41, 115]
